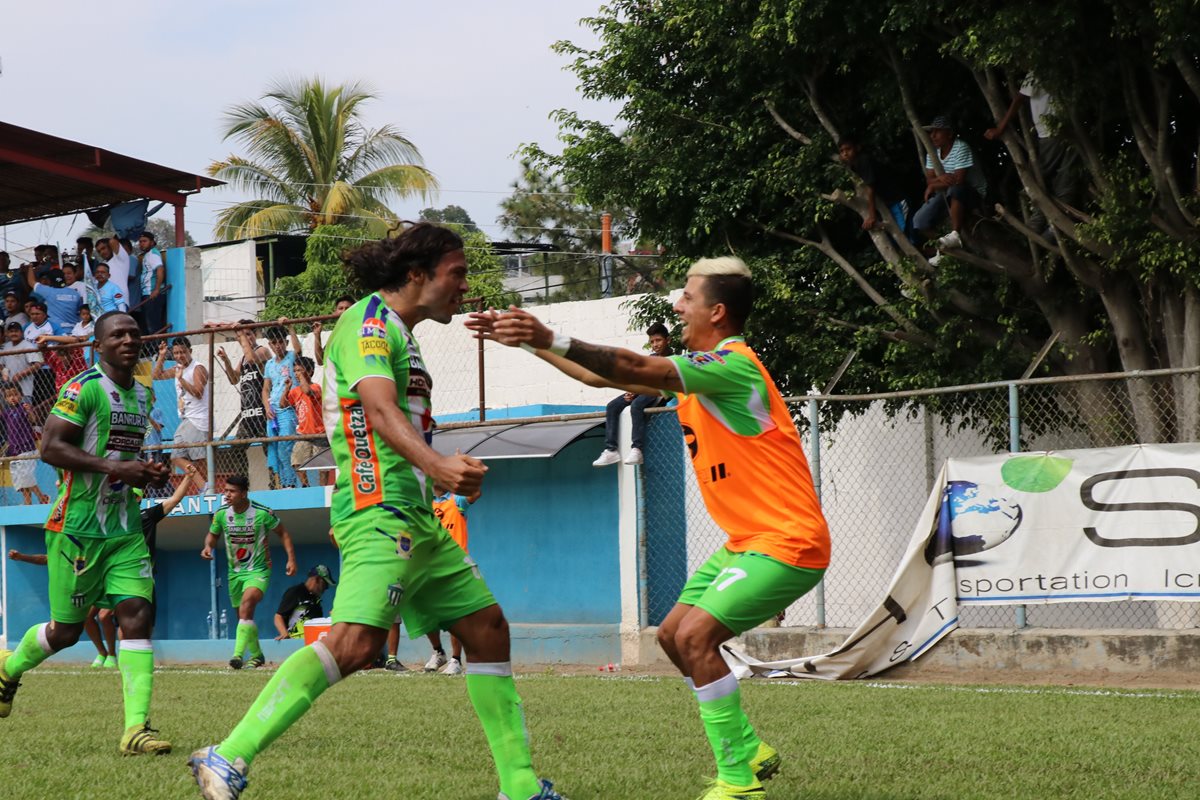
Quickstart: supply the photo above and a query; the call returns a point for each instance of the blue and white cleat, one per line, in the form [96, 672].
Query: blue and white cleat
[547, 793]
[217, 778]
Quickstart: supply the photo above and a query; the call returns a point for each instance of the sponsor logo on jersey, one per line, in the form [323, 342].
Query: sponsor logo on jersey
[66, 406]
[125, 442]
[373, 328]
[364, 467]
[703, 359]
[419, 384]
[127, 419]
[72, 390]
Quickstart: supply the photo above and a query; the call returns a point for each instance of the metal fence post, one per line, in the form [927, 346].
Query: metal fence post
[1014, 446]
[814, 433]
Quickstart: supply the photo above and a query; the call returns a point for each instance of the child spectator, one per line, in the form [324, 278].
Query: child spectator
[18, 421]
[305, 398]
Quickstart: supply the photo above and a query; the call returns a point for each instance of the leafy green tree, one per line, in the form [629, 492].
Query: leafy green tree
[727, 141]
[450, 215]
[312, 292]
[312, 161]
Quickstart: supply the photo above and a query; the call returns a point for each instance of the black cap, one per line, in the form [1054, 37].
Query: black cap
[13, 293]
[42, 270]
[13, 326]
[56, 277]
[321, 571]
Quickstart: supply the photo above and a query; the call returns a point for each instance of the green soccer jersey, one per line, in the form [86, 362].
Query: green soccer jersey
[371, 341]
[245, 536]
[113, 419]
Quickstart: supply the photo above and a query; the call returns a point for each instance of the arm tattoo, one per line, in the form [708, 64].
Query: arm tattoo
[597, 358]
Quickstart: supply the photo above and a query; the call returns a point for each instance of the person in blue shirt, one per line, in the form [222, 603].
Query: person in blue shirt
[111, 296]
[62, 302]
[281, 419]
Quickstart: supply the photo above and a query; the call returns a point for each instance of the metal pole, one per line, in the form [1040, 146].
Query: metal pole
[209, 453]
[3, 586]
[482, 391]
[1014, 446]
[814, 434]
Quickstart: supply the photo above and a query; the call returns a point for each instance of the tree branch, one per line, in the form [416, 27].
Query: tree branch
[810, 89]
[795, 134]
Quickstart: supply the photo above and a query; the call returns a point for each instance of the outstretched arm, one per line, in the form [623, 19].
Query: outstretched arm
[286, 538]
[181, 490]
[39, 559]
[614, 366]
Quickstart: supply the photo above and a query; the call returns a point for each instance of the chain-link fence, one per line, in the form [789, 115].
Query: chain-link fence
[877, 458]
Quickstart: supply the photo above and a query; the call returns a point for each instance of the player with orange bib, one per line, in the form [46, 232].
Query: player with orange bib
[753, 476]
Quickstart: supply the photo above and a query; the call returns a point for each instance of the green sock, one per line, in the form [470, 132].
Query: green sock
[749, 737]
[251, 639]
[721, 713]
[239, 641]
[293, 688]
[33, 650]
[494, 696]
[136, 659]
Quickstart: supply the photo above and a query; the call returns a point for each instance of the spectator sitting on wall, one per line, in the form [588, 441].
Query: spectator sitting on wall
[660, 345]
[302, 602]
[960, 189]
[881, 182]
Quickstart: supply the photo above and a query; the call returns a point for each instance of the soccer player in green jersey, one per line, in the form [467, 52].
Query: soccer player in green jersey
[396, 558]
[94, 536]
[243, 525]
[752, 474]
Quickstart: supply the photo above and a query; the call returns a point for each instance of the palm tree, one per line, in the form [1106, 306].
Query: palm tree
[310, 161]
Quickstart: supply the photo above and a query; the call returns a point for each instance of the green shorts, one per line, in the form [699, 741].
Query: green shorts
[400, 560]
[87, 572]
[239, 582]
[742, 590]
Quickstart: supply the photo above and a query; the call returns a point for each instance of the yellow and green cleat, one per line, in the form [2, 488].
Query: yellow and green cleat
[8, 686]
[139, 740]
[766, 762]
[720, 790]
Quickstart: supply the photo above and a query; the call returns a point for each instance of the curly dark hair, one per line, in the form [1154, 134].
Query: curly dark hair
[388, 263]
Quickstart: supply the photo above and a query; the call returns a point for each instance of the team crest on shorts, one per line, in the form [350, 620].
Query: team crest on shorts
[80, 565]
[404, 546]
[395, 594]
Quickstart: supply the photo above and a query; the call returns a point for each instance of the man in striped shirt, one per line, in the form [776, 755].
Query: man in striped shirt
[961, 187]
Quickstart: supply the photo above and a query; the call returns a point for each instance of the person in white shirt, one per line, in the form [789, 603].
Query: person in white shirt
[71, 276]
[115, 253]
[153, 278]
[192, 388]
[19, 368]
[44, 393]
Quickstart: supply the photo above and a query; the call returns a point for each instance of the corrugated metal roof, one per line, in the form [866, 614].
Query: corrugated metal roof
[45, 176]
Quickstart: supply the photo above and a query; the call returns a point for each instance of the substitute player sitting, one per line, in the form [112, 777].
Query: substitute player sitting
[753, 477]
[242, 525]
[94, 539]
[396, 558]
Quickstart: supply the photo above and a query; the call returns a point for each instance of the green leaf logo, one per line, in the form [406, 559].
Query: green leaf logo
[1035, 473]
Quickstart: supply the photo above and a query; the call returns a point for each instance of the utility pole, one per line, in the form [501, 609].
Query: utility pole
[606, 259]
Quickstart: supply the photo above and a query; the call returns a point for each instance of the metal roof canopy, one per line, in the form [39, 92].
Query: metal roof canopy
[514, 440]
[43, 176]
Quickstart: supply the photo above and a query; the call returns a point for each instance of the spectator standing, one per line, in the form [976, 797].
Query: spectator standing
[660, 345]
[72, 274]
[61, 301]
[116, 253]
[111, 296]
[153, 281]
[14, 309]
[960, 189]
[339, 305]
[305, 397]
[252, 423]
[19, 423]
[9, 281]
[43, 379]
[193, 393]
[281, 420]
[19, 368]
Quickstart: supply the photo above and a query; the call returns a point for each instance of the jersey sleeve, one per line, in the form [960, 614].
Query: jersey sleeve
[364, 352]
[76, 402]
[714, 373]
[217, 526]
[270, 519]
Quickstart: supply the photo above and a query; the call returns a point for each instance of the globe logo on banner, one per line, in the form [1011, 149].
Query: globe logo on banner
[976, 517]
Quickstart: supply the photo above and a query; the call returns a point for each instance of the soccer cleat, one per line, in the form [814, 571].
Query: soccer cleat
[235, 662]
[766, 762]
[949, 241]
[256, 661]
[635, 456]
[720, 790]
[110, 662]
[217, 777]
[137, 741]
[8, 686]
[547, 793]
[98, 662]
[453, 667]
[394, 665]
[436, 661]
[606, 458]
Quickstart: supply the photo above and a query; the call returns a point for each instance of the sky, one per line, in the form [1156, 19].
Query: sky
[468, 82]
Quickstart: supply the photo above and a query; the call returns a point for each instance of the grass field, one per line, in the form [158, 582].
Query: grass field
[414, 737]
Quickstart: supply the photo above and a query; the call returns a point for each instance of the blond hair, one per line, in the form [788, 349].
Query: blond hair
[725, 265]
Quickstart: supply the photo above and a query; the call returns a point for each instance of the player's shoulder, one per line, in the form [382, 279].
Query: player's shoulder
[221, 511]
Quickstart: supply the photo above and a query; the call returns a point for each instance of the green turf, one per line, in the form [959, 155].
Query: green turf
[414, 737]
